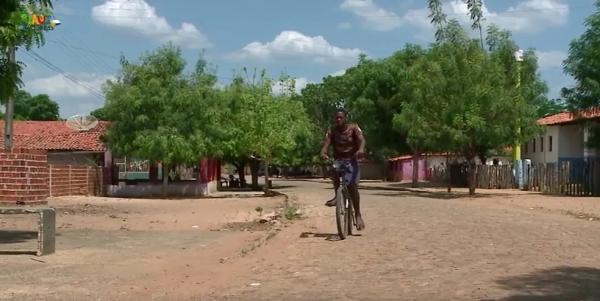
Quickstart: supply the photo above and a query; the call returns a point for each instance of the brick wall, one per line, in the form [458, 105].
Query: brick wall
[74, 180]
[26, 178]
[23, 176]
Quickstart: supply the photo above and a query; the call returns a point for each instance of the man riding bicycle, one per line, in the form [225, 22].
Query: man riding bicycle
[348, 146]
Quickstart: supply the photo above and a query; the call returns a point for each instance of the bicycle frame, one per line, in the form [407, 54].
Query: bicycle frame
[344, 207]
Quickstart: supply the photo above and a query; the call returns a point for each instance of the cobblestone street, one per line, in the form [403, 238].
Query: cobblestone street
[429, 246]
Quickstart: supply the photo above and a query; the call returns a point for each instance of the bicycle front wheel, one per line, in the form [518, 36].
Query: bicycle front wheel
[341, 214]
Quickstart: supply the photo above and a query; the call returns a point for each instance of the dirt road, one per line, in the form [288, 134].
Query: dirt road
[417, 246]
[430, 247]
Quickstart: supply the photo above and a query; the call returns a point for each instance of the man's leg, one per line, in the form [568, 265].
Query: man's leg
[353, 190]
[336, 184]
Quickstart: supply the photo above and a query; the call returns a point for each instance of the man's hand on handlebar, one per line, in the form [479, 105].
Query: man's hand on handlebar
[359, 155]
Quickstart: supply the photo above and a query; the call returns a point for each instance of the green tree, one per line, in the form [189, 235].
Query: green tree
[476, 14]
[39, 107]
[372, 92]
[159, 113]
[583, 63]
[260, 125]
[15, 32]
[462, 100]
[100, 114]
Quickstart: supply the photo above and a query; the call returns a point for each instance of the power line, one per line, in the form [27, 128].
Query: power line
[66, 75]
[99, 53]
[84, 47]
[88, 60]
[75, 57]
[62, 72]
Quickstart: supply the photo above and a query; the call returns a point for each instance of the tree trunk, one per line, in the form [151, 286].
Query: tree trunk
[482, 158]
[242, 174]
[267, 186]
[285, 172]
[448, 173]
[254, 166]
[472, 175]
[240, 167]
[165, 175]
[415, 171]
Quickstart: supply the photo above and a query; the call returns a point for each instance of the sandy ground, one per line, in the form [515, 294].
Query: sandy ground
[420, 244]
[111, 249]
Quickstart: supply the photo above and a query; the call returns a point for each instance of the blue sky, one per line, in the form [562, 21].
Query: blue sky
[305, 39]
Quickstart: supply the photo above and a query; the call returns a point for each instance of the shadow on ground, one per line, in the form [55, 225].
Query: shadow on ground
[327, 236]
[17, 236]
[561, 283]
[402, 192]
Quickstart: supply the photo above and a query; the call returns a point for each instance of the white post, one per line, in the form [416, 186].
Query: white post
[587, 152]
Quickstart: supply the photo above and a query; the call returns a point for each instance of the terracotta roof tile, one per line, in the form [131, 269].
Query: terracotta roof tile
[55, 135]
[567, 117]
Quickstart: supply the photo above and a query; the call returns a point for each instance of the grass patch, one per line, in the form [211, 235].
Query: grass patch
[291, 210]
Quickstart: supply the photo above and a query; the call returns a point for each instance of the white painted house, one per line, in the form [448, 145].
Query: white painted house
[563, 139]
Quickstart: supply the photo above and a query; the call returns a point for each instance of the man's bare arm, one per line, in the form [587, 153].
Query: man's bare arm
[361, 141]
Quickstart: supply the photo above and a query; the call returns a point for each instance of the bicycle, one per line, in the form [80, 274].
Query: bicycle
[344, 210]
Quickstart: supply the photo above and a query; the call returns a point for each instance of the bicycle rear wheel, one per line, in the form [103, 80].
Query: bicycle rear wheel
[350, 217]
[341, 214]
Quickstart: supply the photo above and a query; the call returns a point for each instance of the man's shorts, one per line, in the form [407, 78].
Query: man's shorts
[351, 172]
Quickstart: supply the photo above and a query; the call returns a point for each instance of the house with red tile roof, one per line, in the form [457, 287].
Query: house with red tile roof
[64, 145]
[564, 138]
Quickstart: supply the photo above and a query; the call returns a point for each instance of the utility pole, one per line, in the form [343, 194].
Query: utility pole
[10, 107]
[518, 167]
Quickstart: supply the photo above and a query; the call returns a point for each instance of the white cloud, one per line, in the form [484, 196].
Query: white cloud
[532, 16]
[58, 86]
[301, 82]
[293, 44]
[372, 15]
[138, 17]
[72, 98]
[551, 59]
[279, 88]
[528, 16]
[339, 73]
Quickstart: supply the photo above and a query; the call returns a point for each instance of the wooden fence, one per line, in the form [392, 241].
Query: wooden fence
[565, 178]
[495, 177]
[66, 180]
[488, 176]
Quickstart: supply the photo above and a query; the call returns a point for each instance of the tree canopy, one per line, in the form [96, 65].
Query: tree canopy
[158, 112]
[583, 63]
[16, 33]
[39, 107]
[163, 114]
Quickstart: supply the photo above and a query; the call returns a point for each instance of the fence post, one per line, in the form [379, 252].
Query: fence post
[87, 182]
[70, 183]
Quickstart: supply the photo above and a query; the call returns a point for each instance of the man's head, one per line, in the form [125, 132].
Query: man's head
[340, 117]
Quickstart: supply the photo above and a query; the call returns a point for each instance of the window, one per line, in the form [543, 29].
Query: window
[534, 141]
[541, 144]
[549, 143]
